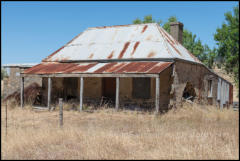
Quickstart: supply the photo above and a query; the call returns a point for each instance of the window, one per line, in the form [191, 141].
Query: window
[141, 88]
[209, 88]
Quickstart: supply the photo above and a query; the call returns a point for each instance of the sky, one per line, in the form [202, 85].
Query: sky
[33, 30]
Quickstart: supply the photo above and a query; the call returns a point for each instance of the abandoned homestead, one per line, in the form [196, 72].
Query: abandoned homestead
[139, 65]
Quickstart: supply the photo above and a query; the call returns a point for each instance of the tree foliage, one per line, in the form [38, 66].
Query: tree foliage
[3, 73]
[227, 38]
[203, 52]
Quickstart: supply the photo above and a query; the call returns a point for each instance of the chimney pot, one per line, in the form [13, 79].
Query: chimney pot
[176, 30]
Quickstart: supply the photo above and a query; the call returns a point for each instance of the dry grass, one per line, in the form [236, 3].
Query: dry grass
[192, 132]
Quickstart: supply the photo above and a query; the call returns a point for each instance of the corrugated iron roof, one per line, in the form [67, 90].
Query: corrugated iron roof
[122, 42]
[113, 67]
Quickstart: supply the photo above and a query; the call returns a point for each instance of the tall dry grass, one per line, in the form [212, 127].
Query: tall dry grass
[191, 132]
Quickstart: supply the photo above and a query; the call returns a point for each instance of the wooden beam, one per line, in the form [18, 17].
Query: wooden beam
[157, 94]
[92, 75]
[117, 93]
[81, 93]
[22, 92]
[49, 91]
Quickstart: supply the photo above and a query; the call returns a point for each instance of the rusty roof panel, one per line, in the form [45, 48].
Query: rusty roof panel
[114, 67]
[127, 42]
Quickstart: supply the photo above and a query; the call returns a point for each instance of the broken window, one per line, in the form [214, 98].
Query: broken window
[189, 92]
[209, 88]
[141, 88]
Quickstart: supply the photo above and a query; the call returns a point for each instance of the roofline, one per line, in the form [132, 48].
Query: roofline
[141, 59]
[127, 25]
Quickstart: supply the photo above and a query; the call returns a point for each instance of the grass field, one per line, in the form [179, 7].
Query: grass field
[191, 132]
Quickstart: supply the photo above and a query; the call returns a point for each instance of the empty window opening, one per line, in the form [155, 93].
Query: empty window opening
[209, 88]
[141, 88]
[189, 92]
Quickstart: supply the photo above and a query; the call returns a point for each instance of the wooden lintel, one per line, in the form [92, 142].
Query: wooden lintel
[92, 75]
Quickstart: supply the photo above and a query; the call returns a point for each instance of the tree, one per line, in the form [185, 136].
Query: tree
[203, 52]
[227, 38]
[3, 73]
[147, 19]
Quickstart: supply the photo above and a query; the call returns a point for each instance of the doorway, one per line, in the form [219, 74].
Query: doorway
[109, 89]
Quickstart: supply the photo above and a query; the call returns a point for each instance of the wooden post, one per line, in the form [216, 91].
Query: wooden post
[60, 112]
[81, 93]
[49, 92]
[157, 94]
[6, 118]
[117, 93]
[22, 92]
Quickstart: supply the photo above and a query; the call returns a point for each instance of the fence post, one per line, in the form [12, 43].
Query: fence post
[6, 118]
[60, 112]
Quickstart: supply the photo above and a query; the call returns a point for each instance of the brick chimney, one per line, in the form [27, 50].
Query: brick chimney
[176, 30]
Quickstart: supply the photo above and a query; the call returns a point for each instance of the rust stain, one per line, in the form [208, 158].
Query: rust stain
[148, 66]
[115, 67]
[91, 56]
[51, 68]
[149, 37]
[144, 28]
[123, 50]
[159, 68]
[83, 68]
[120, 70]
[133, 67]
[111, 55]
[151, 54]
[135, 47]
[104, 68]
[172, 41]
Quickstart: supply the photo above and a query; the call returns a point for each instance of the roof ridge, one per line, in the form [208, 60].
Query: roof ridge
[127, 25]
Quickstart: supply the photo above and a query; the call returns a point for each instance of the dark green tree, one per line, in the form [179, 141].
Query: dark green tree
[3, 73]
[227, 37]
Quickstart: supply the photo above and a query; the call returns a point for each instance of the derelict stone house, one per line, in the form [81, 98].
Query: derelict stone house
[12, 83]
[129, 64]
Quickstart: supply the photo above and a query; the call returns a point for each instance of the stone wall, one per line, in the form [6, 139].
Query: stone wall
[12, 83]
[198, 76]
